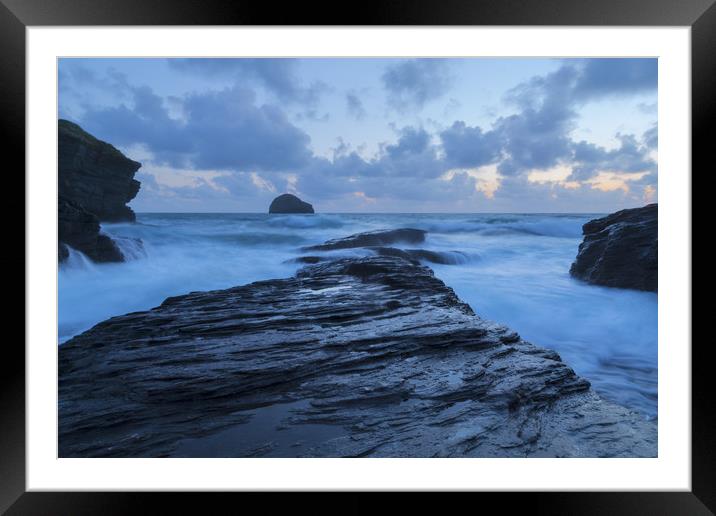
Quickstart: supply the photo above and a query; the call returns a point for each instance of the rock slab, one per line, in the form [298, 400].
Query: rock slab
[372, 239]
[355, 357]
[620, 250]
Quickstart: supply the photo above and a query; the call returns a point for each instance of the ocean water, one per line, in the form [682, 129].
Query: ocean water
[511, 268]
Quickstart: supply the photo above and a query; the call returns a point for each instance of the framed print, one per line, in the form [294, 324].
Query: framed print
[413, 250]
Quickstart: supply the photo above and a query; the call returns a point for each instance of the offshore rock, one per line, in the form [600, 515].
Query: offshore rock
[354, 357]
[288, 203]
[620, 250]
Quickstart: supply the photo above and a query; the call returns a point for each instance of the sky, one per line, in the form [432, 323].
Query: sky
[375, 134]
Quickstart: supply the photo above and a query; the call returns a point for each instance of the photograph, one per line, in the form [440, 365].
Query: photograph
[397, 257]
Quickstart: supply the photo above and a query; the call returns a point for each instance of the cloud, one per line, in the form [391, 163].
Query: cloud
[413, 155]
[355, 106]
[651, 137]
[244, 151]
[223, 130]
[486, 178]
[412, 141]
[413, 83]
[278, 75]
[584, 80]
[466, 146]
[631, 156]
[261, 183]
[607, 181]
[620, 76]
[538, 136]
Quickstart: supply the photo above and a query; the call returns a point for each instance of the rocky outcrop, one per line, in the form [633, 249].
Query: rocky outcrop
[287, 203]
[425, 255]
[95, 175]
[376, 241]
[352, 357]
[79, 229]
[372, 239]
[412, 255]
[95, 182]
[620, 250]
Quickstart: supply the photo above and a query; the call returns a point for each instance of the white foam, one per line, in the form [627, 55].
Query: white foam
[77, 261]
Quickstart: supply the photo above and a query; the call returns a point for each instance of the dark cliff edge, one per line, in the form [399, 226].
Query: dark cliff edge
[352, 357]
[620, 250]
[95, 182]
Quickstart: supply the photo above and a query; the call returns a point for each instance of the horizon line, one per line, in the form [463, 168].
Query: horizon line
[381, 212]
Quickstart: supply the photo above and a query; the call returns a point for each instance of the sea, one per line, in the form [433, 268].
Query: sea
[510, 268]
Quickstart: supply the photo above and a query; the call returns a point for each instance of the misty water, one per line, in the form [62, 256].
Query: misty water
[510, 268]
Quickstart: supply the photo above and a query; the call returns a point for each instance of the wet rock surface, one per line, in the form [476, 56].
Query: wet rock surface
[620, 250]
[80, 229]
[377, 241]
[95, 181]
[417, 255]
[352, 357]
[372, 239]
[288, 203]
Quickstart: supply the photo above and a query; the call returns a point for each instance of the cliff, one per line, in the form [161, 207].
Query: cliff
[95, 181]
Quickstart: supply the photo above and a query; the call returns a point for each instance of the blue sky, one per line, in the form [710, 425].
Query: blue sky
[376, 134]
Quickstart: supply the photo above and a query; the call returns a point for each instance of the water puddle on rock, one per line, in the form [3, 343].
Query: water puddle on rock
[269, 433]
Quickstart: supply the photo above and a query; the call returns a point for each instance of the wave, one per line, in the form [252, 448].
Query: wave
[257, 239]
[563, 228]
[427, 255]
[304, 221]
[77, 260]
[131, 248]
[458, 257]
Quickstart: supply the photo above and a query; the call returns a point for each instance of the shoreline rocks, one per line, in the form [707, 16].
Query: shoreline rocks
[353, 357]
[378, 242]
[620, 250]
[95, 181]
[372, 239]
[80, 230]
[288, 203]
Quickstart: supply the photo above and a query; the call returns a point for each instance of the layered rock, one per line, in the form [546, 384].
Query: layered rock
[372, 239]
[79, 229]
[350, 358]
[620, 250]
[95, 175]
[413, 255]
[95, 182]
[288, 203]
[377, 241]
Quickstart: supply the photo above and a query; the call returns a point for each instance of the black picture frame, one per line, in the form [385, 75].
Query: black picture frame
[17, 15]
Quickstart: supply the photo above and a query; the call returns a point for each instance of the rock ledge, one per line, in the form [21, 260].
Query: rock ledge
[354, 357]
